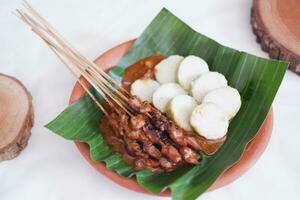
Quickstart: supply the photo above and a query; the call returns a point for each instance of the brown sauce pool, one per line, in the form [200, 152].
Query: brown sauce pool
[145, 69]
[142, 69]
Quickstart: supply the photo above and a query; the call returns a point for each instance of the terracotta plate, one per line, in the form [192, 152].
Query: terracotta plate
[253, 152]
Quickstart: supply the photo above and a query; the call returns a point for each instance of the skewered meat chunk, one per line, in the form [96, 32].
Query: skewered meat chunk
[134, 134]
[151, 163]
[152, 133]
[189, 155]
[146, 107]
[157, 136]
[166, 165]
[138, 106]
[152, 151]
[145, 163]
[134, 148]
[159, 121]
[192, 142]
[171, 153]
[138, 121]
[139, 164]
[177, 135]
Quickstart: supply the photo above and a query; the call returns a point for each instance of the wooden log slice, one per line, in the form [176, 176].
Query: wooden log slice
[276, 24]
[16, 117]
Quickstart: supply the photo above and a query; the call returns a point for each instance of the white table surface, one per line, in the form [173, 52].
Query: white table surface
[51, 168]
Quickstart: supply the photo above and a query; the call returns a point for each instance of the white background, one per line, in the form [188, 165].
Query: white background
[52, 168]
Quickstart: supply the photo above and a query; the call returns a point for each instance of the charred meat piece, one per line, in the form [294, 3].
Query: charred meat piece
[166, 165]
[152, 133]
[135, 103]
[177, 135]
[124, 120]
[152, 151]
[189, 155]
[171, 153]
[151, 163]
[138, 121]
[134, 148]
[114, 123]
[139, 164]
[134, 134]
[138, 106]
[145, 163]
[192, 142]
[157, 136]
[146, 107]
[160, 121]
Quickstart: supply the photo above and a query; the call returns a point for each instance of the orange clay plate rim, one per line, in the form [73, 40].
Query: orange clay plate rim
[253, 151]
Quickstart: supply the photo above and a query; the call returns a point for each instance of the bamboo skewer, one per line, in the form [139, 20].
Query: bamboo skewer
[55, 34]
[80, 82]
[95, 69]
[57, 51]
[76, 62]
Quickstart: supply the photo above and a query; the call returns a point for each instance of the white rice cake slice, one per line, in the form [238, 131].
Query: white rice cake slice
[164, 94]
[227, 98]
[209, 121]
[189, 69]
[206, 83]
[166, 70]
[144, 89]
[180, 109]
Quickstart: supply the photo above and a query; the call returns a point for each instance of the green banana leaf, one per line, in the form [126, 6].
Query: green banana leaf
[257, 80]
